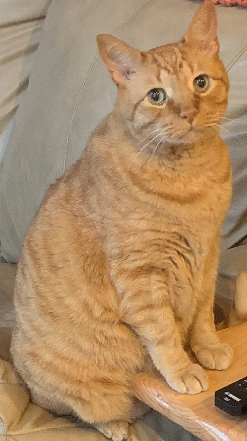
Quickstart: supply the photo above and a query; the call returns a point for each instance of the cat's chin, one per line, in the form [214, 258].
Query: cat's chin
[190, 137]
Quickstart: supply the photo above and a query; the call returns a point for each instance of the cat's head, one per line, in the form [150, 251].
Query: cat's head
[175, 91]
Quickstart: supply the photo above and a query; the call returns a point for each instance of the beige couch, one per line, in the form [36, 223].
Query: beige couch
[44, 124]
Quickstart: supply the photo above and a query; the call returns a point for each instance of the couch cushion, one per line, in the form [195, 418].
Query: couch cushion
[20, 30]
[70, 91]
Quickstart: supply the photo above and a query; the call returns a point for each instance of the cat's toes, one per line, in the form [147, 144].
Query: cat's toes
[216, 357]
[192, 381]
[114, 430]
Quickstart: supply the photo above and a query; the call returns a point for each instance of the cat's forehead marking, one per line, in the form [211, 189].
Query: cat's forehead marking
[169, 58]
[166, 82]
[161, 57]
[163, 63]
[180, 70]
[170, 64]
[182, 63]
[179, 58]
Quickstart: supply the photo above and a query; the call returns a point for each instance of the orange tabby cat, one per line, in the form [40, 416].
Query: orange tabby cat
[117, 272]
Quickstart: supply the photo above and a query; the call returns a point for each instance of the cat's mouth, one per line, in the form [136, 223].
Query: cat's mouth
[191, 135]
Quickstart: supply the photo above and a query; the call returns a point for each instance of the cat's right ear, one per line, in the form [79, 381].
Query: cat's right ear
[121, 59]
[203, 29]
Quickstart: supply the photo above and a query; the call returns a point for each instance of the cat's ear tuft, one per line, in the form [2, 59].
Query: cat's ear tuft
[121, 59]
[203, 29]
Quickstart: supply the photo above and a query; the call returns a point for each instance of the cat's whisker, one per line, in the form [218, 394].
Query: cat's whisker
[227, 119]
[162, 130]
[221, 115]
[224, 118]
[159, 134]
[156, 130]
[218, 126]
[222, 127]
[151, 133]
[238, 142]
[154, 150]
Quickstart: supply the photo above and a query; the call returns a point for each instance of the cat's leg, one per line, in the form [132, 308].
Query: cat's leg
[122, 410]
[146, 308]
[119, 430]
[205, 343]
[102, 409]
[115, 430]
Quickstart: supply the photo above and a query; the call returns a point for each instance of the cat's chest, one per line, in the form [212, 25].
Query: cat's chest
[198, 194]
[201, 205]
[181, 223]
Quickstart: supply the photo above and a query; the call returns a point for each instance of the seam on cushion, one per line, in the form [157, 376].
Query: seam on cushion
[74, 110]
[42, 429]
[24, 410]
[17, 230]
[85, 80]
[239, 55]
[14, 223]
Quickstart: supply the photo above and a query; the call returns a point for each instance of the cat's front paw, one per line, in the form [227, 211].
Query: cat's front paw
[216, 357]
[191, 381]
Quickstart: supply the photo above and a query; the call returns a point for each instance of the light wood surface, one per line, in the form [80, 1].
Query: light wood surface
[197, 413]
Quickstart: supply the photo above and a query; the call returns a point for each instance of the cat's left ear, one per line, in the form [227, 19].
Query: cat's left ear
[121, 59]
[203, 29]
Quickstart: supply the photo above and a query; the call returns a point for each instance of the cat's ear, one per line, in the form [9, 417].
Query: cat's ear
[203, 29]
[121, 59]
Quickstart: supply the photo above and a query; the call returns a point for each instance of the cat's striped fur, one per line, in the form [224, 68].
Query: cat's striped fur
[117, 272]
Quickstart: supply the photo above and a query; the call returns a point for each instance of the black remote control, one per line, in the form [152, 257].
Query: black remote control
[233, 398]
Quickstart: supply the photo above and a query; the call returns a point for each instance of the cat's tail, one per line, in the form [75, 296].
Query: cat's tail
[238, 312]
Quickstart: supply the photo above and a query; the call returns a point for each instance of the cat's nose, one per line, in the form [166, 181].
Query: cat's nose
[188, 114]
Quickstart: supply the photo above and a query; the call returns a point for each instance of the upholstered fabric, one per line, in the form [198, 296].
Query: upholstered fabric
[20, 32]
[70, 91]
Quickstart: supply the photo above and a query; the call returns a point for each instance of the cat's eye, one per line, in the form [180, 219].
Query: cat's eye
[201, 83]
[157, 96]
